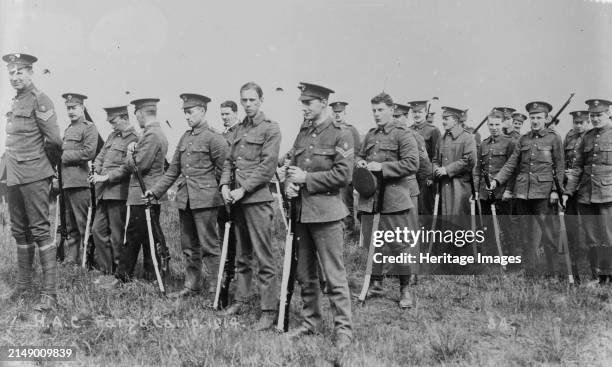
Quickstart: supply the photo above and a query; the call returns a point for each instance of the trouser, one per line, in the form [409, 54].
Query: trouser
[136, 237]
[77, 202]
[502, 209]
[426, 203]
[253, 226]
[108, 230]
[199, 242]
[541, 212]
[596, 219]
[514, 225]
[572, 224]
[348, 199]
[29, 212]
[326, 240]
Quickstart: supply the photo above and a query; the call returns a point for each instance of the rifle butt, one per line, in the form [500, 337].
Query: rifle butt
[222, 264]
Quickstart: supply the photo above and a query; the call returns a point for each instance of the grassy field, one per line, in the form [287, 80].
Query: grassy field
[457, 321]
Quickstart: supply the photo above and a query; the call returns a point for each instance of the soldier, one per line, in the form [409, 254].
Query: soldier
[463, 120]
[517, 123]
[112, 179]
[229, 115]
[580, 122]
[492, 155]
[339, 113]
[253, 157]
[321, 165]
[391, 148]
[431, 135]
[80, 142]
[148, 155]
[536, 158]
[589, 180]
[453, 164]
[197, 163]
[31, 127]
[508, 121]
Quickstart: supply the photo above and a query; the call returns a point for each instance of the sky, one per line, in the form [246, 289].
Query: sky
[470, 54]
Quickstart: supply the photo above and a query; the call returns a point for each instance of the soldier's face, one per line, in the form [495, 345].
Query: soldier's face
[507, 123]
[383, 114]
[599, 119]
[449, 121]
[313, 109]
[119, 123]
[495, 126]
[140, 118]
[339, 116]
[538, 120]
[194, 115]
[228, 116]
[517, 125]
[418, 116]
[402, 118]
[75, 112]
[580, 126]
[20, 77]
[250, 101]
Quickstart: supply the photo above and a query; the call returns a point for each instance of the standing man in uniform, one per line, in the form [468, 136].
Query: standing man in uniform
[536, 157]
[469, 129]
[392, 149]
[492, 155]
[339, 113]
[517, 123]
[112, 179]
[80, 143]
[197, 164]
[589, 180]
[148, 155]
[31, 131]
[431, 135]
[252, 160]
[321, 165]
[507, 120]
[580, 122]
[229, 115]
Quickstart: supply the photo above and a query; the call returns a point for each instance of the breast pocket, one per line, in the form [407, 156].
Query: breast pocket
[117, 152]
[544, 154]
[72, 141]
[200, 156]
[323, 158]
[252, 146]
[389, 151]
[606, 153]
[22, 121]
[525, 153]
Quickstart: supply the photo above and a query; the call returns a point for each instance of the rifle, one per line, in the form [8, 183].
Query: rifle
[61, 215]
[434, 220]
[563, 245]
[555, 119]
[377, 208]
[480, 124]
[485, 174]
[475, 202]
[100, 140]
[227, 266]
[156, 248]
[88, 244]
[289, 267]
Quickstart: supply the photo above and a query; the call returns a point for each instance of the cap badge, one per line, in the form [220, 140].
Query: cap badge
[596, 103]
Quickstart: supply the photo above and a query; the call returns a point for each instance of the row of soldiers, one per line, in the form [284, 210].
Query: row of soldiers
[235, 168]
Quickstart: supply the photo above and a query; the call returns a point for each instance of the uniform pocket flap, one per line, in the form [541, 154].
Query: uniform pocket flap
[606, 147]
[388, 146]
[255, 139]
[73, 137]
[324, 151]
[545, 147]
[201, 148]
[498, 153]
[606, 180]
[298, 151]
[525, 147]
[208, 184]
[27, 157]
[119, 147]
[545, 178]
[23, 112]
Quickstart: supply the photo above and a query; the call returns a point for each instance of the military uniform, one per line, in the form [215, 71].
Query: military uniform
[253, 156]
[492, 155]
[80, 143]
[109, 222]
[197, 164]
[149, 157]
[31, 124]
[431, 135]
[535, 155]
[590, 181]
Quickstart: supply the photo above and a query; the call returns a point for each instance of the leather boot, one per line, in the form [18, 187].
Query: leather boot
[405, 297]
[47, 253]
[25, 260]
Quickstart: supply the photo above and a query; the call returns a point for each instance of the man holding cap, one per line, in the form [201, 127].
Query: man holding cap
[589, 180]
[536, 157]
[80, 143]
[31, 131]
[252, 161]
[148, 155]
[112, 180]
[321, 165]
[197, 164]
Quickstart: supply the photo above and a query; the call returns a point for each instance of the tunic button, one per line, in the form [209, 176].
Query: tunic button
[307, 160]
[186, 165]
[594, 155]
[314, 135]
[186, 176]
[190, 143]
[188, 153]
[237, 169]
[239, 157]
[310, 147]
[241, 145]
[244, 135]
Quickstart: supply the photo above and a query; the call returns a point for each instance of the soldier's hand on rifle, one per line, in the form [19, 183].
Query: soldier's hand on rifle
[440, 171]
[429, 182]
[225, 193]
[96, 178]
[374, 166]
[362, 164]
[507, 195]
[236, 194]
[564, 199]
[493, 185]
[149, 194]
[292, 190]
[131, 147]
[554, 198]
[55, 184]
[296, 174]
